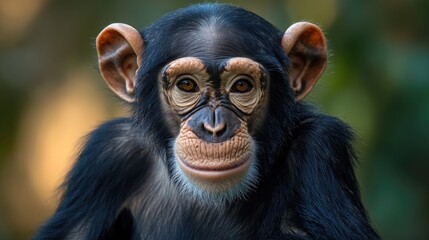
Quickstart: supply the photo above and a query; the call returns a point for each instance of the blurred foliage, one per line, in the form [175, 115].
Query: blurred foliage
[377, 81]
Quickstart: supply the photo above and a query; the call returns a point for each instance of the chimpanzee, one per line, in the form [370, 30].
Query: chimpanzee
[219, 144]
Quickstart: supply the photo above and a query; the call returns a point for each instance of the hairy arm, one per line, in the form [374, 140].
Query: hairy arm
[107, 171]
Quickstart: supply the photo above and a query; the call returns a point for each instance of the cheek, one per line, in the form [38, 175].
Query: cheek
[170, 118]
[256, 121]
[182, 102]
[179, 101]
[250, 102]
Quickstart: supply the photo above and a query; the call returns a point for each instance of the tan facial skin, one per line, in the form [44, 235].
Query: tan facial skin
[213, 165]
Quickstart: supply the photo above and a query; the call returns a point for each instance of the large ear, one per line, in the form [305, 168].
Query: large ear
[305, 45]
[120, 48]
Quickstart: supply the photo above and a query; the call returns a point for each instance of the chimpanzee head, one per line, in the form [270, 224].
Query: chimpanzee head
[217, 87]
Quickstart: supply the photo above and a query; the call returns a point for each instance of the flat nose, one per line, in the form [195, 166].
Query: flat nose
[216, 130]
[214, 125]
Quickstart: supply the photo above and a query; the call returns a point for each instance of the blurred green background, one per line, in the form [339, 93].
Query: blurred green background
[377, 81]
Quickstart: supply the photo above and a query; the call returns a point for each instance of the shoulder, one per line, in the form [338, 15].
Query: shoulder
[110, 150]
[110, 140]
[113, 131]
[111, 158]
[323, 127]
[319, 137]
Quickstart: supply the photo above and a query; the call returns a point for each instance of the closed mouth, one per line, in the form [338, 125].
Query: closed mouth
[220, 168]
[218, 173]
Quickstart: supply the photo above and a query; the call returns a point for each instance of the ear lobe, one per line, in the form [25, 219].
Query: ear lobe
[120, 48]
[305, 45]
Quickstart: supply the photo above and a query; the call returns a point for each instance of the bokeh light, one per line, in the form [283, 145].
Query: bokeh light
[377, 80]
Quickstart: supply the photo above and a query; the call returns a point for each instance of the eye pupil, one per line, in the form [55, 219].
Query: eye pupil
[187, 85]
[242, 86]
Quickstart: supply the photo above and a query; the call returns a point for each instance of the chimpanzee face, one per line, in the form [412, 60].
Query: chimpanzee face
[214, 149]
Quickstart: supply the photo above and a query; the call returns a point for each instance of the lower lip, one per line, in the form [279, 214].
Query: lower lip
[215, 174]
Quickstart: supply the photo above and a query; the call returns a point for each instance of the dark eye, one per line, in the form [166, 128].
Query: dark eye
[241, 86]
[187, 85]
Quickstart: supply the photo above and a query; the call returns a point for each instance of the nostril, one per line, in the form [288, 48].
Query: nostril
[216, 130]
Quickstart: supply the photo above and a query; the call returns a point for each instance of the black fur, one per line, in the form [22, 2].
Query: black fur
[121, 186]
